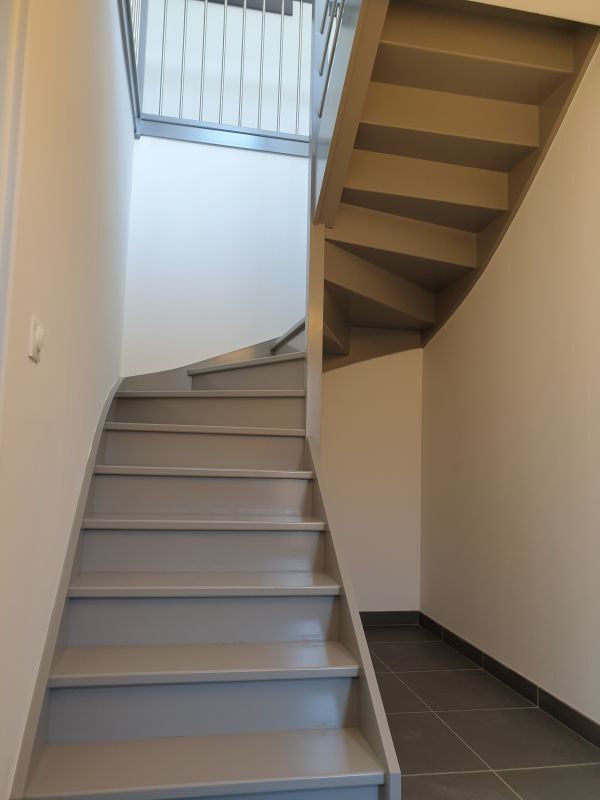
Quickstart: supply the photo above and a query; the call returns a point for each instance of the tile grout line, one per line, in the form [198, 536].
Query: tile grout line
[564, 725]
[483, 668]
[538, 689]
[460, 710]
[475, 753]
[419, 671]
[551, 766]
[449, 772]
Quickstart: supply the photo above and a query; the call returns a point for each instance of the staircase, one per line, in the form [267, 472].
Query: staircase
[448, 111]
[208, 647]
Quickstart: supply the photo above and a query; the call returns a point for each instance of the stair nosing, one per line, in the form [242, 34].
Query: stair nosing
[368, 773]
[553, 70]
[254, 362]
[216, 430]
[219, 525]
[213, 393]
[97, 589]
[224, 789]
[192, 677]
[226, 674]
[203, 472]
[429, 200]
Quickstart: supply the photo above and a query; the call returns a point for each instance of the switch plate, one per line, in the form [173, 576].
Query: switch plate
[36, 339]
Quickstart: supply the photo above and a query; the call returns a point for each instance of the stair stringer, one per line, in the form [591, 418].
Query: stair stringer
[521, 178]
[35, 726]
[517, 150]
[372, 721]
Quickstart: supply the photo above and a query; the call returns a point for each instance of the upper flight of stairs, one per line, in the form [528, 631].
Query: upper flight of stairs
[207, 648]
[433, 157]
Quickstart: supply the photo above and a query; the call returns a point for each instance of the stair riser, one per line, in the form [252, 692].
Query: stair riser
[202, 450]
[231, 497]
[478, 153]
[347, 793]
[456, 73]
[200, 551]
[138, 621]
[286, 375]
[141, 712]
[259, 412]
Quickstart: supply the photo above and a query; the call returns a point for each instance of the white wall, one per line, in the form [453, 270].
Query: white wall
[511, 437]
[217, 251]
[371, 467]
[68, 268]
[580, 10]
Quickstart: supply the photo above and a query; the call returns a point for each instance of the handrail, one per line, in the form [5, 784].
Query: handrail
[335, 24]
[126, 16]
[347, 35]
[336, 12]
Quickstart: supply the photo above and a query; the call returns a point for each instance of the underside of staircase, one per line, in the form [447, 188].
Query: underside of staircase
[208, 646]
[448, 111]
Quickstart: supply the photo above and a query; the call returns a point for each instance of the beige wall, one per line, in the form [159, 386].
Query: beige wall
[581, 10]
[511, 437]
[68, 268]
[13, 18]
[371, 468]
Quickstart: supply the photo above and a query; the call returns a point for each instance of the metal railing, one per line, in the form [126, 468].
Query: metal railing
[218, 67]
[136, 16]
[327, 36]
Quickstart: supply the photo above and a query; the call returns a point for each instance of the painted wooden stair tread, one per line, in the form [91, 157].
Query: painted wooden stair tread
[211, 393]
[202, 472]
[190, 522]
[221, 430]
[254, 362]
[202, 584]
[157, 769]
[151, 664]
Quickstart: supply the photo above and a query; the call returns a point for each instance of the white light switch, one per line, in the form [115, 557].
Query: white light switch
[36, 339]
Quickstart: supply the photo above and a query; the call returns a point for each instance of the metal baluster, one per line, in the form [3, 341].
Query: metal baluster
[299, 66]
[325, 10]
[328, 36]
[183, 52]
[242, 65]
[134, 24]
[162, 58]
[137, 27]
[330, 64]
[132, 9]
[201, 107]
[141, 59]
[262, 60]
[280, 65]
[223, 60]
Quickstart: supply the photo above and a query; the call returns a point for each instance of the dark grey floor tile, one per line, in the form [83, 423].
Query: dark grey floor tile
[399, 633]
[403, 657]
[557, 783]
[465, 786]
[424, 744]
[396, 697]
[520, 738]
[378, 664]
[462, 689]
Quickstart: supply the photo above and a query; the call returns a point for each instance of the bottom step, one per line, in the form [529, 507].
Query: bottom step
[205, 766]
